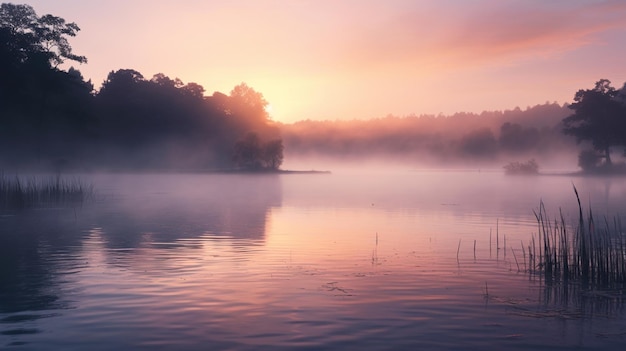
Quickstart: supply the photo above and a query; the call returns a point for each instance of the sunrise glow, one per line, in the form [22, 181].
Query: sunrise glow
[354, 59]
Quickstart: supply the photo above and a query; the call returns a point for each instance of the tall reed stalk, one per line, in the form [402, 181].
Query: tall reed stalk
[16, 193]
[593, 255]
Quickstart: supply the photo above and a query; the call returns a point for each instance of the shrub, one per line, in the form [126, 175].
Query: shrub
[528, 167]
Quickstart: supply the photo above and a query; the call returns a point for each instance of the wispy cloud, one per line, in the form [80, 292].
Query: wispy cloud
[360, 58]
[489, 31]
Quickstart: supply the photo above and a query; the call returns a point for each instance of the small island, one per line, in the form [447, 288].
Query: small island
[529, 167]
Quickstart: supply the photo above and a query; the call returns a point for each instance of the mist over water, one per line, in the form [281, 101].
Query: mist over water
[353, 258]
[212, 227]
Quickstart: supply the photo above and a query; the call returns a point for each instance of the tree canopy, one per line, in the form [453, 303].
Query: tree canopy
[252, 154]
[164, 122]
[27, 37]
[49, 116]
[599, 117]
[435, 140]
[44, 111]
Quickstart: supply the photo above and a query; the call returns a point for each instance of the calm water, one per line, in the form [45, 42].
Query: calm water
[364, 260]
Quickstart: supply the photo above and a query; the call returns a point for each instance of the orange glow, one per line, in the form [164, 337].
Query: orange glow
[349, 59]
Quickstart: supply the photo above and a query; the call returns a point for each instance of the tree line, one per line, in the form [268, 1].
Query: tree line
[54, 118]
[596, 121]
[51, 118]
[462, 138]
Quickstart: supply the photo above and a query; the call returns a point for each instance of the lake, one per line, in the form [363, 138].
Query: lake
[408, 259]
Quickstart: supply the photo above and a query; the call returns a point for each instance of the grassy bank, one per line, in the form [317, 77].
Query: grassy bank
[20, 193]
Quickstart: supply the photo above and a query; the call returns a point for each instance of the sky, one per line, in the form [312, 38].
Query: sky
[359, 59]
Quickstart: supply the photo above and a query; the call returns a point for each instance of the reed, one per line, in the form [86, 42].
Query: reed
[18, 193]
[516, 262]
[591, 254]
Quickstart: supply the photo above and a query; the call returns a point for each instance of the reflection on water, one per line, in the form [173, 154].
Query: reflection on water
[43, 253]
[36, 252]
[169, 207]
[194, 262]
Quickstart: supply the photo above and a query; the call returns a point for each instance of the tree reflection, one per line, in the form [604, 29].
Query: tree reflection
[31, 283]
[172, 207]
[39, 247]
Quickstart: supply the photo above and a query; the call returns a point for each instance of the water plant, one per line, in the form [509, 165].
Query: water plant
[528, 167]
[590, 253]
[17, 193]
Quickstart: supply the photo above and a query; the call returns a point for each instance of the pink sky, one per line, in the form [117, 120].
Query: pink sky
[334, 59]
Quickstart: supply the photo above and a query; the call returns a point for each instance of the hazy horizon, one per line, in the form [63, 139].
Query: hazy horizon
[327, 60]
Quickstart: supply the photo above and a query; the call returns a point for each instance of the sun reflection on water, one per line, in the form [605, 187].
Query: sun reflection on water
[300, 268]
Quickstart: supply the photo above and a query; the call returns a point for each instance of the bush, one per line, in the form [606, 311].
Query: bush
[252, 154]
[528, 167]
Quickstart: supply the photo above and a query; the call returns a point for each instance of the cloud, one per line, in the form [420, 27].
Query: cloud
[532, 29]
[488, 32]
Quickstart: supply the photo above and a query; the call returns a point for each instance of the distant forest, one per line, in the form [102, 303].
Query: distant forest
[462, 138]
[52, 119]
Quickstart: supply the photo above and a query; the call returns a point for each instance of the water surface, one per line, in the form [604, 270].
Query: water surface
[387, 260]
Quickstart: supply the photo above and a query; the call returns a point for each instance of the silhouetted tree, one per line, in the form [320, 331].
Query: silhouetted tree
[165, 81]
[599, 117]
[121, 105]
[248, 152]
[161, 122]
[164, 123]
[273, 154]
[251, 154]
[44, 111]
[194, 90]
[121, 79]
[55, 116]
[33, 37]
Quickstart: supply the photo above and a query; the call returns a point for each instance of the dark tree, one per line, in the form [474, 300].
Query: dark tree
[165, 81]
[32, 37]
[599, 117]
[194, 90]
[53, 117]
[251, 154]
[160, 122]
[248, 153]
[273, 154]
[44, 112]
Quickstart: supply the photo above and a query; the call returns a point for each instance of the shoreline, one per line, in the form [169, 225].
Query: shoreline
[162, 171]
[584, 174]
[277, 171]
